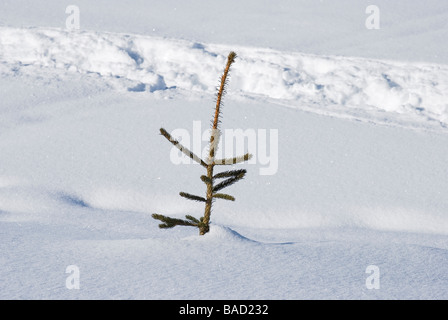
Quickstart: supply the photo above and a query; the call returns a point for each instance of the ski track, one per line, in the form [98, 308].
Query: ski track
[412, 95]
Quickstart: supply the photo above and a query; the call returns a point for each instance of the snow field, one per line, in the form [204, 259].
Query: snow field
[361, 121]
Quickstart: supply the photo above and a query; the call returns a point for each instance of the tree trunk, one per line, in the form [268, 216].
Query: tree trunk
[204, 228]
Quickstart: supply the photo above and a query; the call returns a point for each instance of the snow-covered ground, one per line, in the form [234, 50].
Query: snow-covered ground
[359, 179]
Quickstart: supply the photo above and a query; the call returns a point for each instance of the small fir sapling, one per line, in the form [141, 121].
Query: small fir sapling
[210, 179]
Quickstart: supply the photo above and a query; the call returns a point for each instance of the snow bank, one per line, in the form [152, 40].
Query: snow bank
[378, 91]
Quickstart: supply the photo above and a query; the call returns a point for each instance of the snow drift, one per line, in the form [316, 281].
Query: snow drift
[359, 88]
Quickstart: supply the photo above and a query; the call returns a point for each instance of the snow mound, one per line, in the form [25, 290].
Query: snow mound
[221, 234]
[363, 89]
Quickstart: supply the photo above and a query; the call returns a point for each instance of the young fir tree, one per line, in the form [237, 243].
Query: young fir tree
[226, 178]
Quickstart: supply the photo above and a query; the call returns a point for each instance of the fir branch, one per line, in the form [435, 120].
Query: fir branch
[224, 196]
[227, 174]
[169, 222]
[235, 160]
[193, 219]
[184, 150]
[228, 182]
[206, 179]
[192, 197]
[230, 59]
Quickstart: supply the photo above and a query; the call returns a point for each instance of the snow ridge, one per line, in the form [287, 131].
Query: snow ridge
[409, 94]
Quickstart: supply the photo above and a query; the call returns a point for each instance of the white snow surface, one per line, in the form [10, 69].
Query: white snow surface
[362, 152]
